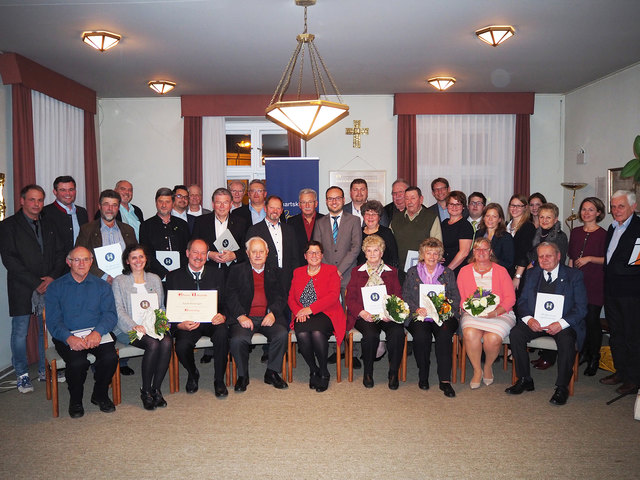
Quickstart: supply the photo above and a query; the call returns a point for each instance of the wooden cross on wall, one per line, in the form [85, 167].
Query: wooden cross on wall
[356, 131]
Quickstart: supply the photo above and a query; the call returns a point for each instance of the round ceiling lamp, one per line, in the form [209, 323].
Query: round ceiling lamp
[161, 86]
[101, 40]
[494, 35]
[441, 83]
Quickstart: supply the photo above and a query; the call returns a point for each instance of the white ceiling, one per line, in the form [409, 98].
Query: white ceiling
[370, 46]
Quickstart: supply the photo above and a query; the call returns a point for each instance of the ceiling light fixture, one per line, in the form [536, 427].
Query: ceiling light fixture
[494, 35]
[306, 118]
[101, 40]
[441, 83]
[161, 86]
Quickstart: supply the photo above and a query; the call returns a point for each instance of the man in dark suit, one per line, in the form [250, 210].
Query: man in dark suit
[304, 223]
[164, 232]
[33, 256]
[127, 212]
[397, 196]
[549, 277]
[622, 292]
[359, 193]
[255, 303]
[198, 276]
[66, 216]
[440, 189]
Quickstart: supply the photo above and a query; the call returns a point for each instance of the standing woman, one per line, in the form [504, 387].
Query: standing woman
[314, 300]
[535, 202]
[586, 252]
[136, 278]
[457, 233]
[493, 226]
[550, 230]
[522, 230]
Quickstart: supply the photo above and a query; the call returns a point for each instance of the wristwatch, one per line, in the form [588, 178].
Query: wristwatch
[518, 276]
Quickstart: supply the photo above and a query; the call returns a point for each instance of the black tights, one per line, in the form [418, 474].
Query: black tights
[314, 345]
[155, 361]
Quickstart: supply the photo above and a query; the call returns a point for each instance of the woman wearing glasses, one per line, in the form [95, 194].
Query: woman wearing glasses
[457, 233]
[522, 230]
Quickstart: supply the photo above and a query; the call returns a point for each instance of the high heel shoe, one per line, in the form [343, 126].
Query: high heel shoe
[474, 385]
[487, 381]
[147, 400]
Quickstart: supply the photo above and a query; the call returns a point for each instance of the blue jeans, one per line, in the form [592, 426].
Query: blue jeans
[19, 329]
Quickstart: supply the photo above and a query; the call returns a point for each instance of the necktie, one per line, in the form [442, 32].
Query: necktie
[35, 225]
[473, 224]
[548, 277]
[335, 228]
[197, 276]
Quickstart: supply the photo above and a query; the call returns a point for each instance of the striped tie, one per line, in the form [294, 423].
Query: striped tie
[335, 228]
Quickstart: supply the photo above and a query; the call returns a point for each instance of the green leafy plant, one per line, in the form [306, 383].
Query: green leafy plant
[632, 168]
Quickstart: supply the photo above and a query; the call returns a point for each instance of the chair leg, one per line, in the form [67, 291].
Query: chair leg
[463, 363]
[48, 379]
[338, 364]
[403, 364]
[289, 372]
[574, 377]
[234, 370]
[454, 359]
[228, 370]
[115, 383]
[54, 389]
[505, 355]
[285, 360]
[174, 370]
[349, 355]
[513, 371]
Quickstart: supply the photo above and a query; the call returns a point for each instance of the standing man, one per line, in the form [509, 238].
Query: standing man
[78, 301]
[33, 255]
[477, 201]
[359, 193]
[304, 223]
[180, 202]
[128, 212]
[195, 206]
[237, 189]
[64, 214]
[622, 292]
[164, 233]
[440, 190]
[255, 211]
[549, 276]
[397, 204]
[256, 303]
[198, 276]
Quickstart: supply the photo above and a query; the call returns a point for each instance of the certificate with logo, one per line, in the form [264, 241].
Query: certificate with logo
[226, 242]
[109, 259]
[373, 299]
[427, 291]
[169, 260]
[548, 308]
[141, 303]
[412, 260]
[192, 305]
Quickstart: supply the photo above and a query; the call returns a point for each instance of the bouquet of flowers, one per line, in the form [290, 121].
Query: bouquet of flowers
[481, 301]
[155, 323]
[438, 309]
[395, 308]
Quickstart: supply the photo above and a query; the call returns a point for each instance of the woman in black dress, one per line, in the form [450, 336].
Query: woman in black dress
[457, 232]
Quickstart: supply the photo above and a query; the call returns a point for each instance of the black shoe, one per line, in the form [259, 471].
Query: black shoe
[323, 383]
[76, 410]
[520, 386]
[192, 382]
[314, 378]
[265, 357]
[272, 378]
[220, 389]
[158, 399]
[377, 359]
[584, 358]
[592, 366]
[367, 381]
[241, 384]
[331, 359]
[105, 405]
[560, 396]
[423, 384]
[147, 400]
[356, 363]
[447, 389]
[126, 370]
[206, 358]
[393, 381]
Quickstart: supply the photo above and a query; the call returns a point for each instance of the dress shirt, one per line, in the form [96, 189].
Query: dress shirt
[257, 216]
[195, 213]
[443, 212]
[221, 227]
[182, 215]
[357, 213]
[545, 278]
[276, 235]
[618, 230]
[129, 217]
[333, 216]
[74, 218]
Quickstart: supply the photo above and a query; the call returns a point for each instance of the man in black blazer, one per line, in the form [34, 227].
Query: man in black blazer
[255, 211]
[33, 256]
[305, 222]
[198, 276]
[622, 292]
[255, 303]
[550, 277]
[66, 216]
[359, 193]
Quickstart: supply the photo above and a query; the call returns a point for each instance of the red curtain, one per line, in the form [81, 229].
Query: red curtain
[90, 161]
[192, 151]
[522, 171]
[407, 149]
[24, 159]
[295, 149]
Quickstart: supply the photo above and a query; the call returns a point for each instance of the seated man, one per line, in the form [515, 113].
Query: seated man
[550, 276]
[79, 301]
[256, 303]
[198, 276]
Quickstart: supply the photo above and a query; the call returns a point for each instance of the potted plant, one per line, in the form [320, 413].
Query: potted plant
[632, 168]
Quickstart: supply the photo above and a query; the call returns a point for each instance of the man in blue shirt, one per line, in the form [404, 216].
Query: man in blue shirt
[80, 311]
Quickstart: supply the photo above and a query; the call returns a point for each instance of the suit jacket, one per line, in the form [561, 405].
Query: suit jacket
[570, 284]
[205, 228]
[384, 219]
[243, 213]
[620, 278]
[136, 211]
[240, 291]
[63, 222]
[156, 235]
[290, 258]
[212, 278]
[25, 262]
[91, 238]
[344, 252]
[297, 222]
[191, 219]
[390, 209]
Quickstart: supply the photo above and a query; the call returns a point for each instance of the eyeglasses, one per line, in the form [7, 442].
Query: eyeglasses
[334, 199]
[481, 249]
[236, 191]
[80, 259]
[476, 204]
[256, 191]
[397, 194]
[179, 195]
[306, 203]
[454, 205]
[515, 205]
[440, 189]
[314, 254]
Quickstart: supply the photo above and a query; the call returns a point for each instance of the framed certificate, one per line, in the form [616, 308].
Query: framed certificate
[548, 308]
[191, 305]
[412, 260]
[373, 299]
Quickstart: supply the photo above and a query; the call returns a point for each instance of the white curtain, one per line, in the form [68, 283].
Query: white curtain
[58, 140]
[473, 152]
[214, 154]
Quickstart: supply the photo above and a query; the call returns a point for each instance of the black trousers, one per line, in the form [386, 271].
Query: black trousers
[186, 341]
[623, 317]
[565, 340]
[371, 338]
[77, 366]
[240, 343]
[422, 334]
[593, 340]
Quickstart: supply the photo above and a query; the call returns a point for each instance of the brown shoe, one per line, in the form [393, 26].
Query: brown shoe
[627, 388]
[612, 379]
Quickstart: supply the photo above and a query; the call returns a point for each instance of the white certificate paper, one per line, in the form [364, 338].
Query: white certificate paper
[634, 259]
[412, 260]
[83, 332]
[226, 242]
[142, 303]
[429, 291]
[192, 305]
[548, 308]
[373, 299]
[109, 259]
[169, 260]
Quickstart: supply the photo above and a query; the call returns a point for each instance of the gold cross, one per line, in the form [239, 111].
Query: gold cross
[356, 131]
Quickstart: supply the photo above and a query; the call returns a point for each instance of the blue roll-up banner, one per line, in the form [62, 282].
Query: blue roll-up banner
[287, 176]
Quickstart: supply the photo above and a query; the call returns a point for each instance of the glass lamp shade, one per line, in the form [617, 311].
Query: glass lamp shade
[101, 40]
[441, 83]
[161, 86]
[306, 118]
[495, 34]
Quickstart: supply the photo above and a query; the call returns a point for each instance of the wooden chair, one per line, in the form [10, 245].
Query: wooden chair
[463, 356]
[257, 339]
[291, 356]
[354, 335]
[454, 357]
[174, 365]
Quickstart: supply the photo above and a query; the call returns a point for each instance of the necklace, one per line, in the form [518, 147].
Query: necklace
[314, 273]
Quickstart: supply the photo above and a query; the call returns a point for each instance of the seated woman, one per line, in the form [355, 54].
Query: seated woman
[493, 227]
[430, 271]
[314, 300]
[371, 213]
[457, 232]
[487, 330]
[136, 278]
[374, 272]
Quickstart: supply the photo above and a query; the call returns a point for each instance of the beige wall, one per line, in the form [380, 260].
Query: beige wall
[6, 160]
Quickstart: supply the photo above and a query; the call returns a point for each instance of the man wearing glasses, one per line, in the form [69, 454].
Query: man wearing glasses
[237, 189]
[255, 211]
[305, 222]
[477, 201]
[195, 209]
[180, 202]
[397, 205]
